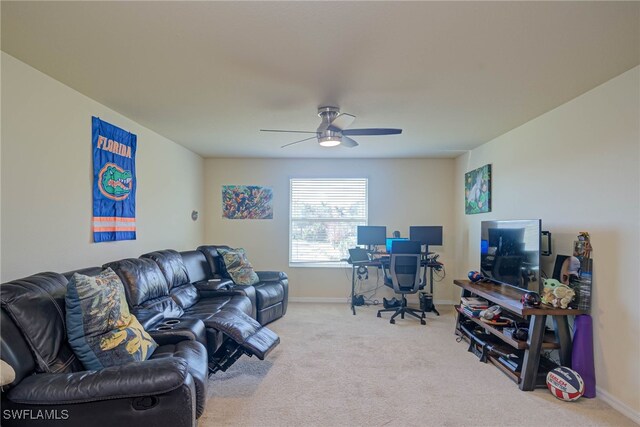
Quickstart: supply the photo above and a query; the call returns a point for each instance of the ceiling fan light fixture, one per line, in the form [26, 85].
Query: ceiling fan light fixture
[333, 129]
[330, 141]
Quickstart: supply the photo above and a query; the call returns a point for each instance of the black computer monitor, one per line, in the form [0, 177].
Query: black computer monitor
[430, 235]
[404, 246]
[372, 234]
[390, 240]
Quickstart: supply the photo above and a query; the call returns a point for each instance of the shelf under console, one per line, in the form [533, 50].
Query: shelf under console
[549, 341]
[533, 364]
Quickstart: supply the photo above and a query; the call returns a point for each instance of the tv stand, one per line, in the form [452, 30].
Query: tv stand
[508, 298]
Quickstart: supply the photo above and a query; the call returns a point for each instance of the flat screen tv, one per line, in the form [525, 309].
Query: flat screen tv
[510, 252]
[372, 235]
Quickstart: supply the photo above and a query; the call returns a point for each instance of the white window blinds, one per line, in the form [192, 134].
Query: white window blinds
[324, 217]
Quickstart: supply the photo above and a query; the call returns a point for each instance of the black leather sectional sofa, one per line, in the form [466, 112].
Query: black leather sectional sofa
[201, 320]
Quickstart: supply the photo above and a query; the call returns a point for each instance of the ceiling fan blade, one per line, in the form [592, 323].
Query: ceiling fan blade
[372, 131]
[348, 142]
[342, 121]
[295, 142]
[289, 131]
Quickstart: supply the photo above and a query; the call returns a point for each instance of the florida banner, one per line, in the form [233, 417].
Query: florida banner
[114, 182]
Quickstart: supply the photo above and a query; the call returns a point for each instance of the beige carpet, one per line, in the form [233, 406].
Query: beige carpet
[335, 369]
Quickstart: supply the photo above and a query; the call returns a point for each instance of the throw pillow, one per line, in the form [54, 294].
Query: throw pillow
[238, 266]
[101, 330]
[7, 374]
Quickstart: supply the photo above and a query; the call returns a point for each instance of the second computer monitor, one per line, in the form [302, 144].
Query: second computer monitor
[372, 235]
[430, 235]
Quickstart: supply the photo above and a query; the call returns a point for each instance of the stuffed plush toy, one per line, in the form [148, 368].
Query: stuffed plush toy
[557, 294]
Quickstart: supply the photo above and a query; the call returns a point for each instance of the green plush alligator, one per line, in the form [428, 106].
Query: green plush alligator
[116, 181]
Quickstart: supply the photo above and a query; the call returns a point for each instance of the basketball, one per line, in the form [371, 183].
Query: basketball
[565, 384]
[474, 276]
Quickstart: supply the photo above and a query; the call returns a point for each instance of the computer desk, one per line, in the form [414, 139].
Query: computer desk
[430, 264]
[382, 262]
[354, 266]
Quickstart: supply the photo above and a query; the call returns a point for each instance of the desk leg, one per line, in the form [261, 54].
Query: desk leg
[353, 287]
[563, 336]
[433, 305]
[531, 361]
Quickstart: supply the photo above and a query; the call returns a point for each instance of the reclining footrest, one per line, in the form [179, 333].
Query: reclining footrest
[247, 336]
[225, 356]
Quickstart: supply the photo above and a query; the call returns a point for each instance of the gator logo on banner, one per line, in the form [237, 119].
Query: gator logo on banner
[114, 182]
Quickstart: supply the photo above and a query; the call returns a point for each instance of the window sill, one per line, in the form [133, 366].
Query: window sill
[336, 264]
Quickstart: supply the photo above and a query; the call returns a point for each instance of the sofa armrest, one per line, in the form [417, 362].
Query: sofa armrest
[222, 293]
[172, 336]
[271, 276]
[173, 331]
[151, 377]
[214, 285]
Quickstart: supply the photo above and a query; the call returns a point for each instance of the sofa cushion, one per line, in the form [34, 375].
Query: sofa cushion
[155, 310]
[213, 305]
[36, 306]
[185, 296]
[142, 278]
[171, 265]
[14, 350]
[214, 259]
[101, 330]
[207, 309]
[198, 268]
[146, 288]
[238, 266]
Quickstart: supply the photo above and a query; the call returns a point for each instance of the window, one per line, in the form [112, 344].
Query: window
[324, 217]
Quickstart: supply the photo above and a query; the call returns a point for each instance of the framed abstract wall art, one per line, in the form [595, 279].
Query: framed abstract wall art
[477, 190]
[247, 202]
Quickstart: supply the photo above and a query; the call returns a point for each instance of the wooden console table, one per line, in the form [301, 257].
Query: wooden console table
[508, 298]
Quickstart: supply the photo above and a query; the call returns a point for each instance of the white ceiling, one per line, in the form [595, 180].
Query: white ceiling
[209, 75]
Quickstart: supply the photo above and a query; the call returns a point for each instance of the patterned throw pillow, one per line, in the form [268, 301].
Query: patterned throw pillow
[101, 330]
[238, 266]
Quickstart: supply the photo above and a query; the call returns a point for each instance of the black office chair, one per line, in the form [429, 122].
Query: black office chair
[404, 277]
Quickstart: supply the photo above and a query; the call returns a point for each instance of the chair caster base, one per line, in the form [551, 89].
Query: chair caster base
[379, 315]
[422, 322]
[392, 321]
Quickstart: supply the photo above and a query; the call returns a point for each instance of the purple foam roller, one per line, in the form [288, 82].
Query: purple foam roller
[582, 354]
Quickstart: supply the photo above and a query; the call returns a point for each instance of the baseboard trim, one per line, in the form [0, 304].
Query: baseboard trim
[619, 406]
[322, 300]
[328, 300]
[445, 302]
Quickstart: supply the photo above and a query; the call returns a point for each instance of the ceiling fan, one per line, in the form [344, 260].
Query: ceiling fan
[333, 129]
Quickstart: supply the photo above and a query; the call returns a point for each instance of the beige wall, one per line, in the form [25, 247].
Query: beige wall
[401, 193]
[576, 167]
[47, 178]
